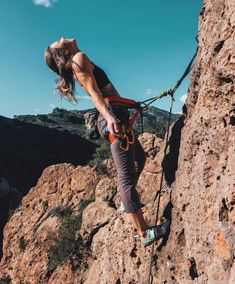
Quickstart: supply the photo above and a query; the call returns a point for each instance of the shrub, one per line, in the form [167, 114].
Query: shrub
[5, 280]
[43, 118]
[68, 242]
[101, 153]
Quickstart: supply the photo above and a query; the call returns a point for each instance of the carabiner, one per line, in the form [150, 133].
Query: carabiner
[131, 137]
[125, 137]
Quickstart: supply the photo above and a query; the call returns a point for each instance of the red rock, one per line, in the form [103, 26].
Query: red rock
[198, 180]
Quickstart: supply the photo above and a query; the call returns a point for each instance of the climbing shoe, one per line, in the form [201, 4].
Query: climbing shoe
[155, 233]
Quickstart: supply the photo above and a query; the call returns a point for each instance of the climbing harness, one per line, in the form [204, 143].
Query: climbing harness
[127, 136]
[127, 139]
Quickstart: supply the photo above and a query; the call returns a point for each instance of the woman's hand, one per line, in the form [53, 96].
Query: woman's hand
[113, 126]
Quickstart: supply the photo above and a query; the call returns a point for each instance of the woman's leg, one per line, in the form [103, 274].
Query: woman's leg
[137, 219]
[129, 166]
[125, 164]
[140, 158]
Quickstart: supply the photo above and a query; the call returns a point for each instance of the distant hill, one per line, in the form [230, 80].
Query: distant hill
[60, 119]
[27, 149]
[154, 120]
[29, 143]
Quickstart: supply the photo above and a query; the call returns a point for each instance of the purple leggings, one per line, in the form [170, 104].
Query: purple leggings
[129, 166]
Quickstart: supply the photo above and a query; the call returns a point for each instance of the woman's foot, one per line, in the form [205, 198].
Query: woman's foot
[155, 233]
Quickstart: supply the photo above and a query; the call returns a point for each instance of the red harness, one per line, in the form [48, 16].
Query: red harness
[130, 104]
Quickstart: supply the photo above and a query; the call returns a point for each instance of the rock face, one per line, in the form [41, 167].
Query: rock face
[25, 150]
[202, 240]
[69, 229]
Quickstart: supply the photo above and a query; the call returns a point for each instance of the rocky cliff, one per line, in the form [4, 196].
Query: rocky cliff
[68, 228]
[26, 149]
[202, 240]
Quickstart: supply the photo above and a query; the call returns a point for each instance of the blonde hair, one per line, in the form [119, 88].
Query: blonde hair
[59, 61]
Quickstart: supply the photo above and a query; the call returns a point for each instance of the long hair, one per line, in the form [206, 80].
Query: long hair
[59, 61]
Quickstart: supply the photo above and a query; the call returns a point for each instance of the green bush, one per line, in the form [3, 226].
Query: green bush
[68, 242]
[101, 153]
[5, 280]
[43, 118]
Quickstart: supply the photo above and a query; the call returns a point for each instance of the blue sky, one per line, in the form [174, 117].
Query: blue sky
[144, 46]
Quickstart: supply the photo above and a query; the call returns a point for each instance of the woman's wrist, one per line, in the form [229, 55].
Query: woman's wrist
[111, 118]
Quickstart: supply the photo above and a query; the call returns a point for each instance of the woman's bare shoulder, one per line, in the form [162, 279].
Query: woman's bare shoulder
[79, 55]
[80, 61]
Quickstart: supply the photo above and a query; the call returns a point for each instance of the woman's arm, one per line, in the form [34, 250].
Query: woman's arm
[82, 69]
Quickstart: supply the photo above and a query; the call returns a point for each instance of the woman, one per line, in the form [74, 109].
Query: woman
[71, 64]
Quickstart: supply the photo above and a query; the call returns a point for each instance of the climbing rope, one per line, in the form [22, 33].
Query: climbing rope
[171, 91]
[158, 193]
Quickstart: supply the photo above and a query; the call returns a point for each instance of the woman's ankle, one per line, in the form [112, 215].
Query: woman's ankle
[143, 234]
[139, 222]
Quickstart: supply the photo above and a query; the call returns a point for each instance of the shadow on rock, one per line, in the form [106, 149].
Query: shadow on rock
[167, 214]
[170, 162]
[9, 200]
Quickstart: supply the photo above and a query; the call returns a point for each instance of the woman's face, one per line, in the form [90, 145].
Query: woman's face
[68, 44]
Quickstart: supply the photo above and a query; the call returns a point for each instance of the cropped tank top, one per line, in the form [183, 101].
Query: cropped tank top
[100, 76]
